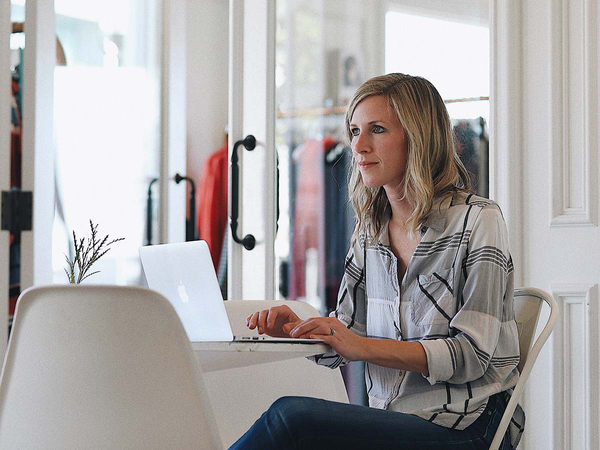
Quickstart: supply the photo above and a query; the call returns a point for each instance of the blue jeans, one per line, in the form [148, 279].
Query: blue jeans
[310, 423]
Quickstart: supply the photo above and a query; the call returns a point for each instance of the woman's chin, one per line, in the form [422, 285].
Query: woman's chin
[371, 183]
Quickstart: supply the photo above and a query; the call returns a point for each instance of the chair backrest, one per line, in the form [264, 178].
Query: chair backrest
[528, 304]
[101, 367]
[527, 313]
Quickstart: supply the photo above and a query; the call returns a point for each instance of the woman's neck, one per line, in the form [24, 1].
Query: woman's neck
[401, 207]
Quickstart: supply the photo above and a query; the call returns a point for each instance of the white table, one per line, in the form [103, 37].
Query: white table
[214, 356]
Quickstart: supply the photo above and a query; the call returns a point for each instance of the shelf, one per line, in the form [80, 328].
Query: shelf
[467, 99]
[341, 110]
[312, 112]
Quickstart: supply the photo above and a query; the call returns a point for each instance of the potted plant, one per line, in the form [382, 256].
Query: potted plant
[87, 252]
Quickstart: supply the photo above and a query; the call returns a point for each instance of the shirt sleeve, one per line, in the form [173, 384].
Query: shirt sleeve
[483, 329]
[351, 303]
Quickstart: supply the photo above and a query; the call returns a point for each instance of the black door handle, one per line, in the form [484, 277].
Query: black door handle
[190, 225]
[249, 142]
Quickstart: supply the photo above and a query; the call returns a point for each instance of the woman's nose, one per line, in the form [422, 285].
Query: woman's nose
[360, 144]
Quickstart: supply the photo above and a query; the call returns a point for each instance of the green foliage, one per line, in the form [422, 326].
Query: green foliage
[86, 254]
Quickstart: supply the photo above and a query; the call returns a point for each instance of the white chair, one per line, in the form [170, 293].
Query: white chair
[528, 305]
[240, 395]
[101, 367]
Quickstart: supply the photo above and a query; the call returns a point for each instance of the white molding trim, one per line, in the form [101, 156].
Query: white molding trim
[506, 145]
[172, 204]
[574, 103]
[5, 101]
[252, 111]
[375, 22]
[39, 57]
[236, 118]
[271, 188]
[457, 10]
[575, 367]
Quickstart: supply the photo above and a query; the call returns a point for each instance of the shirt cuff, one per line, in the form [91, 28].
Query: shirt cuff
[439, 360]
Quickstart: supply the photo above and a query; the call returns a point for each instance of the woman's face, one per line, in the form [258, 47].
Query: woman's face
[379, 144]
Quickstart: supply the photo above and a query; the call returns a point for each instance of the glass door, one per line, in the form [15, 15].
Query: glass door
[88, 108]
[107, 110]
[324, 51]
[253, 180]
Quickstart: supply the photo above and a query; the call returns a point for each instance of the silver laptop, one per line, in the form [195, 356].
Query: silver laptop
[185, 275]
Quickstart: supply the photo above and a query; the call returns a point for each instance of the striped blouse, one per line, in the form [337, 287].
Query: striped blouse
[456, 299]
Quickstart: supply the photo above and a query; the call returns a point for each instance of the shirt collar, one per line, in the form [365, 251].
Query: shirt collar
[437, 217]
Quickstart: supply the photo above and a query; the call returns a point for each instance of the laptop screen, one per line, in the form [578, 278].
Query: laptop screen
[185, 275]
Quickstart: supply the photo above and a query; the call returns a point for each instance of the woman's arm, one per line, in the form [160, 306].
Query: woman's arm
[401, 355]
[484, 330]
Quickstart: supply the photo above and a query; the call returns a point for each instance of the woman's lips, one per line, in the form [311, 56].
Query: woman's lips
[366, 165]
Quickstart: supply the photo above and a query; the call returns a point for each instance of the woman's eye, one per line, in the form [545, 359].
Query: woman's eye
[355, 131]
[378, 129]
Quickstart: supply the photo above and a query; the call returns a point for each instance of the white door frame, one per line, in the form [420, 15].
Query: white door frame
[505, 120]
[39, 57]
[5, 101]
[172, 204]
[251, 274]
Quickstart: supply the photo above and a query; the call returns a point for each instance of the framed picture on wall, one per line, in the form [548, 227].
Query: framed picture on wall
[351, 72]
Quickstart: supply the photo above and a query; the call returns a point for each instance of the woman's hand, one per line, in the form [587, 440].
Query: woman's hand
[335, 334]
[276, 322]
[383, 352]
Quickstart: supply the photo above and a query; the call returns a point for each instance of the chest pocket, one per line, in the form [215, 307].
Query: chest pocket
[432, 302]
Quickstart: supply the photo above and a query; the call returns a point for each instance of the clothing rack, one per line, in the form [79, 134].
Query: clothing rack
[341, 110]
[304, 112]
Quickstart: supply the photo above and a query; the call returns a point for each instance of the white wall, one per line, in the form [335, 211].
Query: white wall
[207, 72]
[546, 155]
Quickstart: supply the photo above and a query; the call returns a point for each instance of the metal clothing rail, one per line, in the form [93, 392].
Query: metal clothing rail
[340, 110]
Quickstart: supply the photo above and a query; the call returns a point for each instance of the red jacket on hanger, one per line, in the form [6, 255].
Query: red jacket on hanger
[212, 202]
[308, 216]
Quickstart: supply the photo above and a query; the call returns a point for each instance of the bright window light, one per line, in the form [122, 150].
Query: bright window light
[453, 56]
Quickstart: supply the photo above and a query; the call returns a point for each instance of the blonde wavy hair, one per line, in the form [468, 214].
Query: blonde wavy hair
[434, 172]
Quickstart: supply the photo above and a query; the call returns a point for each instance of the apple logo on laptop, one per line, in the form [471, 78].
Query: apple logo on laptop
[182, 294]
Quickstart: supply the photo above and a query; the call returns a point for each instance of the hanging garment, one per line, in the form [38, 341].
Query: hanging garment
[339, 220]
[472, 146]
[308, 222]
[212, 202]
[15, 138]
[15, 182]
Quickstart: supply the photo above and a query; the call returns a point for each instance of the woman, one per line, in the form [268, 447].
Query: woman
[426, 299]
